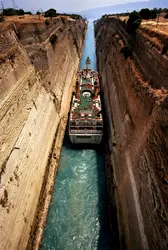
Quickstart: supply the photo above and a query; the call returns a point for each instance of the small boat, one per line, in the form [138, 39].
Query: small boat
[88, 61]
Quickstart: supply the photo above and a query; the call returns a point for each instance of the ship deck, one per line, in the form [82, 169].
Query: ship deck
[86, 105]
[86, 121]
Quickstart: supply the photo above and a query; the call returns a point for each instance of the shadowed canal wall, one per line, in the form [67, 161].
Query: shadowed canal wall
[135, 95]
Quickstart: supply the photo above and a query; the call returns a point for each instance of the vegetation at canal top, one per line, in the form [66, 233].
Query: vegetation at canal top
[149, 14]
[50, 13]
[73, 16]
[152, 13]
[12, 12]
[133, 22]
[145, 13]
[53, 13]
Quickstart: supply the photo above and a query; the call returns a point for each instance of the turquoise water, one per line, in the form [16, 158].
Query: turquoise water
[77, 216]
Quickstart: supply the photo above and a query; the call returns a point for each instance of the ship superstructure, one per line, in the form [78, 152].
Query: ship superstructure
[86, 121]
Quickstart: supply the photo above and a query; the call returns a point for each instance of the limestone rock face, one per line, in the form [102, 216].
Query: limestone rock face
[135, 91]
[36, 79]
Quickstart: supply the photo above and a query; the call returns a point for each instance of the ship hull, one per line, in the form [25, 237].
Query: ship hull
[85, 139]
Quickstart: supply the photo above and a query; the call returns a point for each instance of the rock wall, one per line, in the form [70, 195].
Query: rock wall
[36, 80]
[135, 95]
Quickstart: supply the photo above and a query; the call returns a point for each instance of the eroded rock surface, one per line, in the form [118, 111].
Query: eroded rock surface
[135, 94]
[36, 80]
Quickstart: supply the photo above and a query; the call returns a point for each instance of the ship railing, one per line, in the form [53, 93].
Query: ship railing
[90, 132]
[89, 127]
[86, 123]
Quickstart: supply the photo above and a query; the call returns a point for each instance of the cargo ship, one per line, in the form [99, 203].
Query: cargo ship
[86, 120]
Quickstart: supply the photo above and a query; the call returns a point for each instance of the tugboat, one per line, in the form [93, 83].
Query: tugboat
[86, 121]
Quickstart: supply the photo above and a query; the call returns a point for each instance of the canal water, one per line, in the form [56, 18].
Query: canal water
[78, 217]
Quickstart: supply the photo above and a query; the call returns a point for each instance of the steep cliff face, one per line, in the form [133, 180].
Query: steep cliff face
[36, 79]
[135, 97]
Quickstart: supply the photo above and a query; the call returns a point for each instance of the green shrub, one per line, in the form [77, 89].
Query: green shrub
[9, 12]
[53, 39]
[153, 14]
[133, 22]
[75, 16]
[50, 13]
[20, 12]
[126, 51]
[12, 12]
[47, 22]
[145, 14]
[28, 13]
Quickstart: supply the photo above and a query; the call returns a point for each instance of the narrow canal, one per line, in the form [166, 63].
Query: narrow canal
[78, 217]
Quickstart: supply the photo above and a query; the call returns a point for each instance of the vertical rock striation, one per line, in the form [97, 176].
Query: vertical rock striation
[135, 95]
[36, 79]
